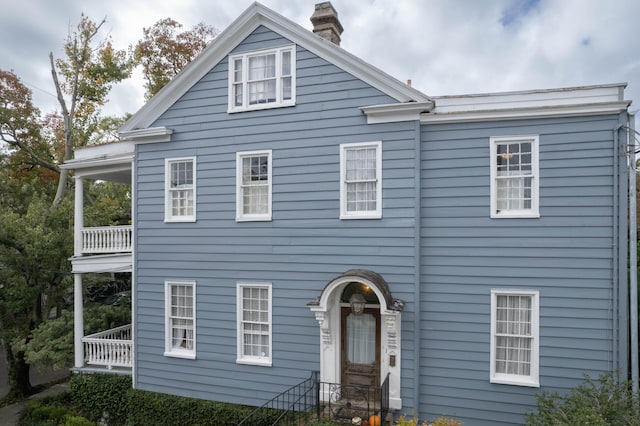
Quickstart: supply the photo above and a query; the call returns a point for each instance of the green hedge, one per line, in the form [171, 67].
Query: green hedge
[102, 396]
[111, 399]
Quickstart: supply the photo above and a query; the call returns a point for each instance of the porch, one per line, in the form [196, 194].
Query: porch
[110, 350]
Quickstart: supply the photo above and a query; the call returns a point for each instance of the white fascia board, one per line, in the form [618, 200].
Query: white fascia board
[520, 113]
[391, 113]
[147, 135]
[254, 16]
[601, 99]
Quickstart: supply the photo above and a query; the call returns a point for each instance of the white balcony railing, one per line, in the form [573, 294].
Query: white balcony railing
[111, 348]
[106, 239]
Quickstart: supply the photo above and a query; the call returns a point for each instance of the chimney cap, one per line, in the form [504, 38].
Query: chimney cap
[325, 22]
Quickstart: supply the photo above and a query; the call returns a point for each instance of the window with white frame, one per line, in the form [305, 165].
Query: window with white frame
[361, 180]
[515, 337]
[180, 190]
[263, 79]
[514, 176]
[253, 175]
[180, 319]
[254, 323]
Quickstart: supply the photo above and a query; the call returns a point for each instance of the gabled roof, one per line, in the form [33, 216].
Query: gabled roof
[243, 26]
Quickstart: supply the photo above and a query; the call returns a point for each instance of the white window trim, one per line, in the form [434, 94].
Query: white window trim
[372, 214]
[533, 380]
[241, 358]
[240, 215]
[168, 217]
[534, 211]
[245, 67]
[169, 350]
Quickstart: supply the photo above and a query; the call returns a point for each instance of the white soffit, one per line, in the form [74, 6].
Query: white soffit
[254, 16]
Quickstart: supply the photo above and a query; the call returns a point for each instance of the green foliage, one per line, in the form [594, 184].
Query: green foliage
[163, 53]
[606, 402]
[52, 412]
[155, 409]
[107, 203]
[111, 398]
[102, 395]
[440, 421]
[34, 274]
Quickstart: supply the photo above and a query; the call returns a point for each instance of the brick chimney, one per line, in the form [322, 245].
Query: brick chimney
[325, 22]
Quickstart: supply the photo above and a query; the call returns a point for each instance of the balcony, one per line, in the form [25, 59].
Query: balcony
[103, 249]
[111, 349]
[106, 239]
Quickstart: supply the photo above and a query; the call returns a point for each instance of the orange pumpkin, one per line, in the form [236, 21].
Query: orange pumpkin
[374, 420]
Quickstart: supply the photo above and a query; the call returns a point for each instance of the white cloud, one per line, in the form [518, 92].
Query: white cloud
[443, 46]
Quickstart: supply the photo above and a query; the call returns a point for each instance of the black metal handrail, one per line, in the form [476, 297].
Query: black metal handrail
[287, 405]
[346, 401]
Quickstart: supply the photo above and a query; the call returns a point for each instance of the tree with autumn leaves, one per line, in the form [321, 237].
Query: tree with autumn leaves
[36, 206]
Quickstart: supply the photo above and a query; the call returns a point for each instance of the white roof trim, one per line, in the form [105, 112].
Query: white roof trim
[572, 101]
[391, 113]
[152, 134]
[254, 16]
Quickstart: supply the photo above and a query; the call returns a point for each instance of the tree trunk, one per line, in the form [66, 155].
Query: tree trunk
[18, 370]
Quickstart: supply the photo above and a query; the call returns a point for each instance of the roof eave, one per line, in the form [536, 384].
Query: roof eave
[254, 16]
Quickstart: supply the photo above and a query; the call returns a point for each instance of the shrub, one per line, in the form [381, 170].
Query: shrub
[102, 396]
[606, 402]
[51, 412]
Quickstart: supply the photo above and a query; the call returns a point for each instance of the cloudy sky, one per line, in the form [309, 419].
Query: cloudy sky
[445, 47]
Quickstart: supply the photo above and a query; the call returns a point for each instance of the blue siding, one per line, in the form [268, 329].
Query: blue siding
[303, 248]
[566, 254]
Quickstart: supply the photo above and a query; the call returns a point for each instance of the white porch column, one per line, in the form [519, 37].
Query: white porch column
[78, 321]
[78, 315]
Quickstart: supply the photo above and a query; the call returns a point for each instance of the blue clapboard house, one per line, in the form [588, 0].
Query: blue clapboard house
[297, 210]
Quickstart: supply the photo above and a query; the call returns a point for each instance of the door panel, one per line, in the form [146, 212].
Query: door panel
[360, 347]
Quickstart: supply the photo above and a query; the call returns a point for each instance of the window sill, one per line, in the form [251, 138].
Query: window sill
[362, 216]
[515, 381]
[259, 107]
[516, 215]
[180, 220]
[260, 362]
[185, 355]
[253, 219]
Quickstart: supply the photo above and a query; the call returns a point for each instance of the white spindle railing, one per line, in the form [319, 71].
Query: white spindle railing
[111, 348]
[106, 239]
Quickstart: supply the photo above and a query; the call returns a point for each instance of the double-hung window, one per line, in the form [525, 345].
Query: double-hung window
[514, 176]
[253, 176]
[263, 79]
[515, 337]
[180, 319]
[180, 190]
[254, 323]
[361, 180]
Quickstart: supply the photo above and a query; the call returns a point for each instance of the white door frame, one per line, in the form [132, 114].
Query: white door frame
[327, 312]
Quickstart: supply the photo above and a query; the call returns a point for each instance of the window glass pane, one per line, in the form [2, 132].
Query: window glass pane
[513, 344]
[237, 70]
[255, 184]
[286, 88]
[181, 173]
[262, 67]
[361, 338]
[261, 92]
[181, 316]
[255, 321]
[286, 63]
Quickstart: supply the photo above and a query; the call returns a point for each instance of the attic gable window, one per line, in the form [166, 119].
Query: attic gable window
[262, 79]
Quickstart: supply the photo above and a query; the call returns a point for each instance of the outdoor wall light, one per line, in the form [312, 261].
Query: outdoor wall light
[357, 303]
